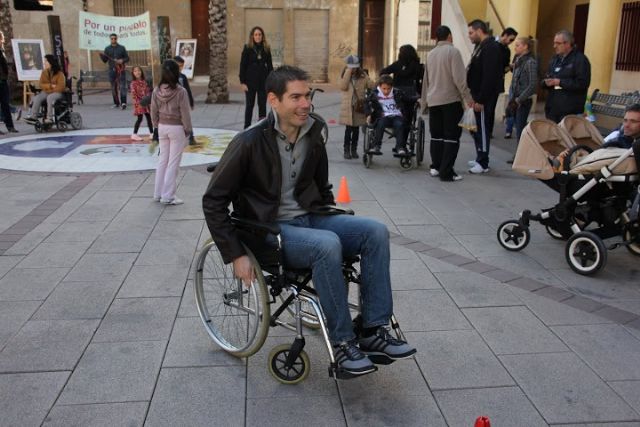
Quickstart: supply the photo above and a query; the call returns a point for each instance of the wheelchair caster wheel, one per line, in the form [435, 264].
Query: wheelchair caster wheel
[288, 375]
[62, 126]
[38, 126]
[512, 236]
[406, 162]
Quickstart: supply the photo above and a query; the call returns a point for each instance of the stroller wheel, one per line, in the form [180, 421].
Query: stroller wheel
[554, 233]
[513, 236]
[634, 244]
[585, 252]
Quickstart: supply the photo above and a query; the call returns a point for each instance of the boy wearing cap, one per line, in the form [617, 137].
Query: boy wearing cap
[354, 85]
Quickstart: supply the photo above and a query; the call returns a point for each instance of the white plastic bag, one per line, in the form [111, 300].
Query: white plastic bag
[468, 120]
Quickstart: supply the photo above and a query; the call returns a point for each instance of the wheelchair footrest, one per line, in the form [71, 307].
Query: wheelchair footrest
[341, 374]
[400, 156]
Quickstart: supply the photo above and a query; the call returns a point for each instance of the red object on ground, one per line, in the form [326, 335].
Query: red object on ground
[482, 422]
[331, 121]
[343, 192]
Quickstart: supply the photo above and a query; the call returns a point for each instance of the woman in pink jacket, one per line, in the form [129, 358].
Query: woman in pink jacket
[171, 114]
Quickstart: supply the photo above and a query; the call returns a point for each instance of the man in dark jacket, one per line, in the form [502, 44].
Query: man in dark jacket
[4, 88]
[277, 171]
[116, 55]
[567, 79]
[485, 76]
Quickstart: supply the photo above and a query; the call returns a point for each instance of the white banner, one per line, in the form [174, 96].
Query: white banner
[134, 32]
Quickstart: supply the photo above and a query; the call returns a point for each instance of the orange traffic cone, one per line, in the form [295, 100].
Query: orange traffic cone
[482, 422]
[343, 191]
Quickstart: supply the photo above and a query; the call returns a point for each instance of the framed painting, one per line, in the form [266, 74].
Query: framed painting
[186, 48]
[29, 57]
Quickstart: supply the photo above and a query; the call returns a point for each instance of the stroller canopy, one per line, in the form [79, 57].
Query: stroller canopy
[541, 141]
[582, 131]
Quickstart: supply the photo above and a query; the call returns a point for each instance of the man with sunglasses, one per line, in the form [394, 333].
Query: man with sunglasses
[116, 55]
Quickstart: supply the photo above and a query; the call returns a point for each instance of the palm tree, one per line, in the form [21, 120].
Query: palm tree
[218, 88]
[6, 27]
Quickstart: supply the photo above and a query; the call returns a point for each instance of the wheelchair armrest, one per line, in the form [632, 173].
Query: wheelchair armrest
[331, 210]
[250, 225]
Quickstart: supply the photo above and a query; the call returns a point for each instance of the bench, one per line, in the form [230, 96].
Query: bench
[608, 109]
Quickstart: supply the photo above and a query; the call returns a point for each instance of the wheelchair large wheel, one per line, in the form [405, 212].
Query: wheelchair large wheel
[309, 318]
[585, 252]
[76, 120]
[236, 318]
[420, 142]
[634, 243]
[513, 236]
[366, 146]
[293, 375]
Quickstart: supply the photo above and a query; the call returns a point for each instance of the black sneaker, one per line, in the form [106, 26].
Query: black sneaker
[123, 106]
[349, 358]
[354, 154]
[381, 347]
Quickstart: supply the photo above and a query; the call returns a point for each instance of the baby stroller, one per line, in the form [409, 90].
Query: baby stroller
[598, 191]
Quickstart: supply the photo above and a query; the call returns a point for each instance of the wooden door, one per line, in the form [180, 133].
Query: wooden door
[200, 31]
[373, 40]
[580, 25]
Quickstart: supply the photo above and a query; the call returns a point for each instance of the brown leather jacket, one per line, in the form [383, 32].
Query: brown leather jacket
[249, 176]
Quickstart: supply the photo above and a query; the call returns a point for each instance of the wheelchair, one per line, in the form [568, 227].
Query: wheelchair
[238, 318]
[415, 141]
[63, 116]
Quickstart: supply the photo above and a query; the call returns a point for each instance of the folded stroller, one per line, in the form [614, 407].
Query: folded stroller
[598, 192]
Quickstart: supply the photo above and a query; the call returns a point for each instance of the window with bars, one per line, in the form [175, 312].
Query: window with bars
[132, 8]
[628, 56]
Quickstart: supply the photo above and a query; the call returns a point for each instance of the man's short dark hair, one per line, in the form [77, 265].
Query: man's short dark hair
[385, 79]
[113, 35]
[479, 24]
[633, 107]
[179, 59]
[278, 79]
[509, 31]
[442, 33]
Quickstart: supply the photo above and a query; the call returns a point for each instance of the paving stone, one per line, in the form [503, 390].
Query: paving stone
[30, 283]
[523, 265]
[505, 406]
[553, 293]
[457, 359]
[565, 390]
[592, 287]
[119, 242]
[163, 252]
[325, 411]
[616, 315]
[62, 254]
[25, 399]
[51, 345]
[513, 330]
[7, 263]
[427, 310]
[188, 306]
[186, 394]
[630, 392]
[102, 206]
[115, 372]
[32, 239]
[475, 290]
[84, 231]
[502, 275]
[101, 415]
[101, 267]
[436, 266]
[190, 346]
[13, 314]
[391, 408]
[78, 300]
[411, 275]
[610, 350]
[556, 313]
[177, 230]
[137, 319]
[154, 281]
[526, 284]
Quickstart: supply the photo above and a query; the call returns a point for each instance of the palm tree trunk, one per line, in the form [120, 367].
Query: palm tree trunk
[218, 92]
[6, 26]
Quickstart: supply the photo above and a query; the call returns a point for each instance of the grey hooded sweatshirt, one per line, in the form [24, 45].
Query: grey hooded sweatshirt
[171, 107]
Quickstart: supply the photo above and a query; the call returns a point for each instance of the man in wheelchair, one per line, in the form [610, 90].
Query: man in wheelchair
[277, 171]
[385, 107]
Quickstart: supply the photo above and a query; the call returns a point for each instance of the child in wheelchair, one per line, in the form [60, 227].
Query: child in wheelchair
[387, 107]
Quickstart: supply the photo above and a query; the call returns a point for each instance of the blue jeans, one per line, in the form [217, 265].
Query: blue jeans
[319, 242]
[398, 124]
